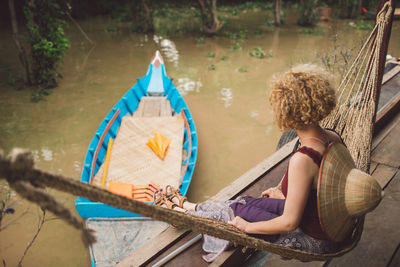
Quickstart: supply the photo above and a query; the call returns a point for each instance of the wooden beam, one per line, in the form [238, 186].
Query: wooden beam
[152, 249]
[381, 135]
[395, 260]
[391, 73]
[383, 50]
[387, 112]
[383, 174]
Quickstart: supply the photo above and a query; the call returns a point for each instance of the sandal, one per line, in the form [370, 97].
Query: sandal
[171, 192]
[159, 199]
[153, 187]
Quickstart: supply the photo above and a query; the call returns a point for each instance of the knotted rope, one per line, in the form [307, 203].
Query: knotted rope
[18, 170]
[354, 115]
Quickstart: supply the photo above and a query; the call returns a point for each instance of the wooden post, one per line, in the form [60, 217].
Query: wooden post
[383, 52]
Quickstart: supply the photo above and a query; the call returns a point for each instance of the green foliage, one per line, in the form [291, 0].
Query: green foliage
[337, 59]
[112, 28]
[312, 31]
[308, 15]
[39, 94]
[15, 82]
[269, 23]
[200, 40]
[45, 23]
[211, 54]
[212, 67]
[120, 12]
[255, 5]
[242, 69]
[364, 25]
[295, 5]
[142, 21]
[224, 58]
[370, 4]
[242, 34]
[349, 8]
[168, 13]
[14, 79]
[258, 52]
[176, 20]
[235, 12]
[236, 46]
[195, 13]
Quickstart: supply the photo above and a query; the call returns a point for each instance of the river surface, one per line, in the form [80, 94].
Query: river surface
[227, 95]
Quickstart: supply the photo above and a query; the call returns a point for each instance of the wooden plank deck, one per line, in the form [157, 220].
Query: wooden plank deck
[267, 174]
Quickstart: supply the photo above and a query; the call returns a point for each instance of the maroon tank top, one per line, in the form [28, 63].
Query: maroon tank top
[309, 222]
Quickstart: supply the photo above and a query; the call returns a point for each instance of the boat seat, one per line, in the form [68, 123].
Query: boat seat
[153, 106]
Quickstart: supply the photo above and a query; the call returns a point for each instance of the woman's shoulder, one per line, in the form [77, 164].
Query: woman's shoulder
[302, 160]
[333, 136]
[301, 165]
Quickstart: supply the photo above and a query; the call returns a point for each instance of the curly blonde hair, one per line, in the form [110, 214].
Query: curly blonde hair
[302, 96]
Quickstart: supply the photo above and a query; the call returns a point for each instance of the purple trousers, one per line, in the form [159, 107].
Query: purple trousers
[259, 209]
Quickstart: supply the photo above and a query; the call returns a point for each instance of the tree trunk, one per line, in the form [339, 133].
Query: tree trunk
[277, 11]
[20, 48]
[141, 16]
[147, 16]
[208, 9]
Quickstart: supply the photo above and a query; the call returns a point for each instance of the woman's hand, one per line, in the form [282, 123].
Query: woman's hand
[240, 223]
[273, 192]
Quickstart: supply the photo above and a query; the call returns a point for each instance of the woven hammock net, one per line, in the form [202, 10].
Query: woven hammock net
[353, 119]
[353, 116]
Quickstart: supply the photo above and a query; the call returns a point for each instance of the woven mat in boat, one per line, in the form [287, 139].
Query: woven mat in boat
[133, 162]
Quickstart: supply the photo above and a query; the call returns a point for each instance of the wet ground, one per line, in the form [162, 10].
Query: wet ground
[225, 88]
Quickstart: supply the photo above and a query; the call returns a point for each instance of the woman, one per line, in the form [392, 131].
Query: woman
[287, 214]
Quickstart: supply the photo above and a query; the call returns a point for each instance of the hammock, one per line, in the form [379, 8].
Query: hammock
[357, 98]
[358, 94]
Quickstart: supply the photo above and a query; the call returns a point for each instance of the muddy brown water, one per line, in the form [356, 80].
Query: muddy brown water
[230, 107]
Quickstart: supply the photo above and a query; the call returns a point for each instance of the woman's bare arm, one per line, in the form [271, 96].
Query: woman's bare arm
[301, 172]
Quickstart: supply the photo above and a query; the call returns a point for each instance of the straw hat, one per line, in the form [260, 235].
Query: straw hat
[344, 193]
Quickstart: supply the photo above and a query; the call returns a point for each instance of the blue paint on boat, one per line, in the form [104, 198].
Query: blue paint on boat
[155, 82]
[156, 86]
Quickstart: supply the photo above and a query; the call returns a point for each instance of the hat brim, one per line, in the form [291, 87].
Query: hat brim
[333, 215]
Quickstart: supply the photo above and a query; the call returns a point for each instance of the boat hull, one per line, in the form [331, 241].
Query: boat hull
[155, 82]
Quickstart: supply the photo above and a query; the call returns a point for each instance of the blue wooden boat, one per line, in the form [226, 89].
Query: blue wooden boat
[155, 85]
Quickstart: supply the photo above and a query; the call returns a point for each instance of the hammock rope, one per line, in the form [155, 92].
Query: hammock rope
[354, 114]
[18, 167]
